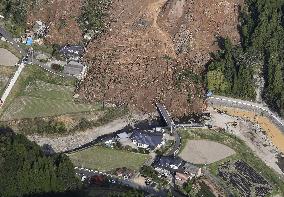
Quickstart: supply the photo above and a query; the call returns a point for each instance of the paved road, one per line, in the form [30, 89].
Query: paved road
[170, 123]
[177, 144]
[12, 83]
[89, 173]
[256, 107]
[10, 39]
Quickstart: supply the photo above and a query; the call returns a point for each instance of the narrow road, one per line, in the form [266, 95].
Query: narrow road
[14, 79]
[10, 39]
[170, 123]
[247, 105]
[12, 83]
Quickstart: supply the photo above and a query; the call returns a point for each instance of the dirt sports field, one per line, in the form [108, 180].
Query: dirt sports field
[140, 58]
[7, 58]
[205, 151]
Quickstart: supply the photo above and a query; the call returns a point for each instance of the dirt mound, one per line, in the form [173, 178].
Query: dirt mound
[148, 44]
[61, 17]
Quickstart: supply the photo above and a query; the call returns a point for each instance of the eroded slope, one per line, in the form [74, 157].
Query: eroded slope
[148, 45]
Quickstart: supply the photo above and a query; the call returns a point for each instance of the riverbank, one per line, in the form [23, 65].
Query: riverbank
[248, 131]
[272, 131]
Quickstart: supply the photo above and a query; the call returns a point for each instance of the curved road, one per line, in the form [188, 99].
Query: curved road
[251, 106]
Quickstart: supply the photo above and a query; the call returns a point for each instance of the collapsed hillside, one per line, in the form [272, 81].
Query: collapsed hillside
[156, 51]
[62, 18]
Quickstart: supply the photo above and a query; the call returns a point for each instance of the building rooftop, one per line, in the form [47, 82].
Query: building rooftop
[73, 68]
[168, 162]
[123, 135]
[72, 50]
[153, 139]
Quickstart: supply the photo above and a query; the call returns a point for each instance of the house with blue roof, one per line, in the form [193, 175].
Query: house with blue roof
[147, 140]
[29, 41]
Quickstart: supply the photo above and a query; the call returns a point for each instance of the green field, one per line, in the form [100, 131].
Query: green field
[40, 94]
[106, 159]
[243, 152]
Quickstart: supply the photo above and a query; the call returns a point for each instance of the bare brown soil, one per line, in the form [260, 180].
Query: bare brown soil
[205, 152]
[61, 17]
[195, 25]
[147, 45]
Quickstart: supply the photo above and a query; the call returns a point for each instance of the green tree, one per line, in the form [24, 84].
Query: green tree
[25, 170]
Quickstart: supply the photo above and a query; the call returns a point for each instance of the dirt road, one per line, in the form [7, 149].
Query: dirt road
[72, 141]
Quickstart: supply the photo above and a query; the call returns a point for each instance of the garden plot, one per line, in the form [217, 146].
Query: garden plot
[205, 151]
[244, 179]
[41, 99]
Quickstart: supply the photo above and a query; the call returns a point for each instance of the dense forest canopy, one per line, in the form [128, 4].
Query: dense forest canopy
[26, 171]
[234, 69]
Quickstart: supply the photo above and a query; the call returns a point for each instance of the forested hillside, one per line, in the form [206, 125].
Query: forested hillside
[233, 69]
[26, 171]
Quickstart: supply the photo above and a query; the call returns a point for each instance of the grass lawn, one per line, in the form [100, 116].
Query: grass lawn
[243, 152]
[38, 93]
[106, 159]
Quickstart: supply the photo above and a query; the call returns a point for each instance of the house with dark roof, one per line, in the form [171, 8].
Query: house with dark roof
[168, 162]
[74, 52]
[147, 140]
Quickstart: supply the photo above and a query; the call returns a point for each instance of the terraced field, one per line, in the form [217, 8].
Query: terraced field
[40, 99]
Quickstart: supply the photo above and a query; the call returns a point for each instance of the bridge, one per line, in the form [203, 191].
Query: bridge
[165, 115]
[170, 123]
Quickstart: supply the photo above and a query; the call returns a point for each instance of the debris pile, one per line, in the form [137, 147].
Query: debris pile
[148, 44]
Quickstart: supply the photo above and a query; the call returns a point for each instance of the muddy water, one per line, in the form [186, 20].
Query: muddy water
[272, 131]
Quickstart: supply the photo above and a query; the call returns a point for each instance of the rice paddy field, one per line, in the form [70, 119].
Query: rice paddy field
[107, 159]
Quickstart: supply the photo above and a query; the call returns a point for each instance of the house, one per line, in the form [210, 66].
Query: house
[124, 172]
[73, 68]
[29, 41]
[123, 137]
[109, 141]
[187, 172]
[182, 178]
[147, 140]
[74, 52]
[167, 164]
